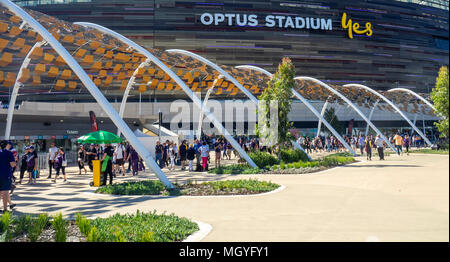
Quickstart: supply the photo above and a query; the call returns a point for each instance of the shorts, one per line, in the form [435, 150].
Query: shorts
[30, 169]
[183, 158]
[218, 155]
[5, 184]
[120, 162]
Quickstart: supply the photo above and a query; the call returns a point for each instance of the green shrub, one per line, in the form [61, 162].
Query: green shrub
[150, 187]
[5, 222]
[23, 225]
[60, 227]
[235, 169]
[282, 165]
[83, 224]
[291, 156]
[263, 159]
[93, 235]
[148, 227]
[37, 226]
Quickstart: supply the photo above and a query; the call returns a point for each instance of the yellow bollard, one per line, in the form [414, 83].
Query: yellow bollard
[96, 172]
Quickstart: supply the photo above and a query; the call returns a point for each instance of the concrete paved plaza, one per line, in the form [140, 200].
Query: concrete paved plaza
[404, 198]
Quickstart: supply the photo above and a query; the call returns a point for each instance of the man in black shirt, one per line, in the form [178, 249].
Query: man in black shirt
[183, 154]
[108, 157]
[91, 153]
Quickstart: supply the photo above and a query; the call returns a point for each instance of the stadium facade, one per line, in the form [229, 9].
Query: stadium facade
[381, 44]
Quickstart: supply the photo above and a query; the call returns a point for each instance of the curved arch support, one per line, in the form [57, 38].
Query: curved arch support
[350, 104]
[394, 106]
[130, 84]
[414, 94]
[219, 69]
[178, 80]
[371, 115]
[92, 88]
[15, 92]
[310, 107]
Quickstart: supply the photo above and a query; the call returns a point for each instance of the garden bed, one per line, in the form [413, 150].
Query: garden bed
[299, 167]
[215, 188]
[139, 227]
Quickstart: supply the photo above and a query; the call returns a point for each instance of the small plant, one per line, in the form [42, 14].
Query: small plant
[93, 235]
[282, 165]
[83, 224]
[147, 237]
[60, 226]
[37, 226]
[5, 222]
[23, 225]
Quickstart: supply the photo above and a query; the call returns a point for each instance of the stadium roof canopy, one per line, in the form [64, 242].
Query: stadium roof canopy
[111, 63]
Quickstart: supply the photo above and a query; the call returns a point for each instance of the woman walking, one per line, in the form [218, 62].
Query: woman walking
[81, 157]
[134, 158]
[407, 144]
[60, 164]
[172, 156]
[204, 151]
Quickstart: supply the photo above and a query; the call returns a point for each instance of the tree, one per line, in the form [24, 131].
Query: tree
[440, 98]
[331, 117]
[279, 91]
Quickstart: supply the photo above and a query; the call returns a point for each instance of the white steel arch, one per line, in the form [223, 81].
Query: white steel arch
[309, 106]
[414, 94]
[15, 92]
[350, 104]
[96, 93]
[180, 82]
[128, 89]
[394, 106]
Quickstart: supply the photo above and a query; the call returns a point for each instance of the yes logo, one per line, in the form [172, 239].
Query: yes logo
[354, 27]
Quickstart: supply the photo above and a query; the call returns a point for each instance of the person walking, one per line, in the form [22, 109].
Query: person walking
[60, 164]
[183, 153]
[7, 162]
[134, 158]
[121, 155]
[407, 144]
[204, 151]
[81, 159]
[52, 153]
[398, 139]
[368, 146]
[23, 164]
[218, 150]
[380, 147]
[197, 146]
[361, 143]
[190, 157]
[172, 155]
[91, 154]
[32, 159]
[158, 153]
[107, 164]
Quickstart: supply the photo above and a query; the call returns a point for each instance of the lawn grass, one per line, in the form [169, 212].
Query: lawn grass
[430, 151]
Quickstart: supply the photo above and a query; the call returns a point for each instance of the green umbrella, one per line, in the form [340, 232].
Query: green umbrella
[99, 137]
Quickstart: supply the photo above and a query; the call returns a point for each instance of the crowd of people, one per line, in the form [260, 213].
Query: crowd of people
[195, 156]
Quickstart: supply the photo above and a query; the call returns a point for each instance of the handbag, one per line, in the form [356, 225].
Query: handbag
[64, 163]
[35, 173]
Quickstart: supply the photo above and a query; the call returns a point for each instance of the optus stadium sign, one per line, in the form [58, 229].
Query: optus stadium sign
[282, 21]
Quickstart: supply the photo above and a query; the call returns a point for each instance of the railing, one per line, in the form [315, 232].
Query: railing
[72, 159]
